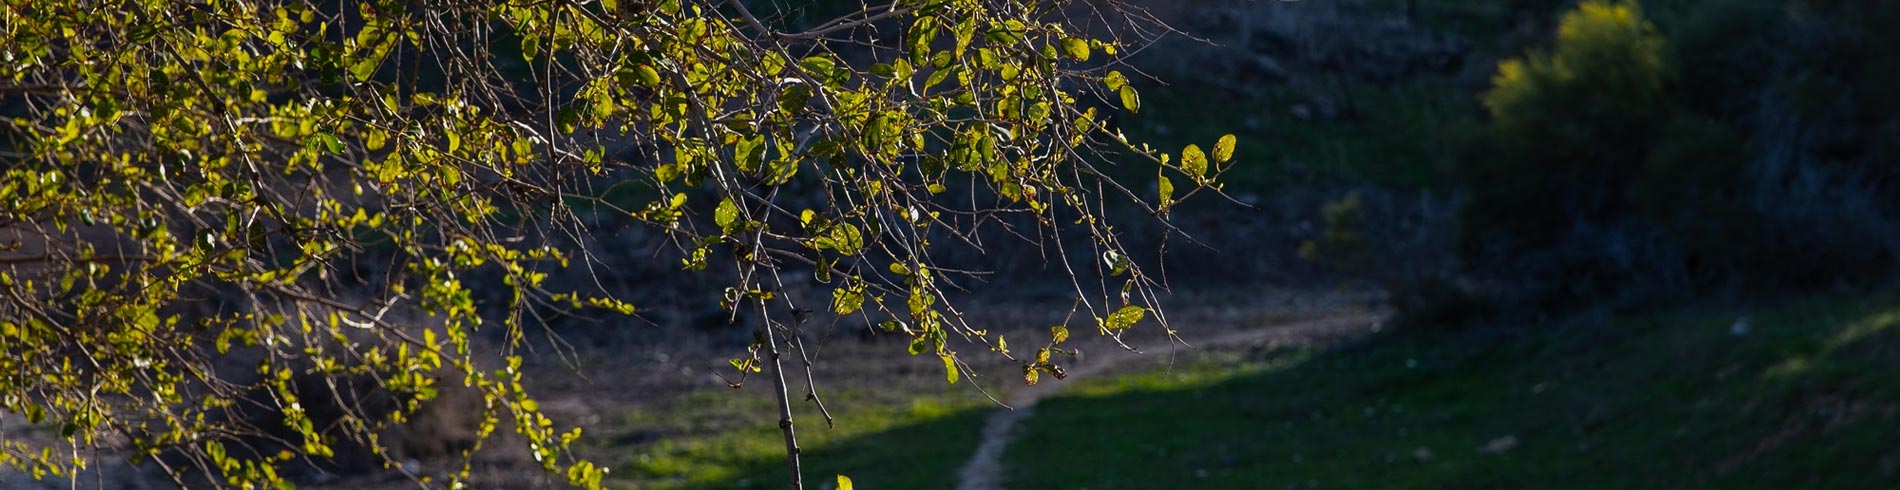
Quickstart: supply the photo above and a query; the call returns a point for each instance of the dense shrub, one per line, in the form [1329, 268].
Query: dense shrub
[1569, 129]
[1619, 166]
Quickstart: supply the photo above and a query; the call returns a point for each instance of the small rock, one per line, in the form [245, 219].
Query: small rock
[1422, 454]
[1740, 328]
[1499, 445]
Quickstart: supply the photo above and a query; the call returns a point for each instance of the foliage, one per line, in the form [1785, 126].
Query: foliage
[1569, 129]
[203, 202]
[1343, 242]
[1620, 158]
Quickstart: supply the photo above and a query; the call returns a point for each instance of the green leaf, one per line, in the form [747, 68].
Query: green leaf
[1224, 149]
[1167, 192]
[143, 33]
[1076, 48]
[1130, 99]
[823, 69]
[1194, 162]
[844, 482]
[1115, 81]
[1009, 33]
[949, 368]
[746, 365]
[920, 301]
[1124, 318]
[749, 153]
[727, 215]
[648, 76]
[842, 237]
[366, 65]
[847, 300]
[330, 142]
[923, 33]
[847, 239]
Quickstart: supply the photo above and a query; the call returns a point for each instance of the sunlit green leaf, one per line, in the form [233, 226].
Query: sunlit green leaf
[1076, 48]
[726, 215]
[1167, 192]
[949, 368]
[1224, 149]
[1115, 81]
[1194, 162]
[1124, 318]
[847, 300]
[1009, 32]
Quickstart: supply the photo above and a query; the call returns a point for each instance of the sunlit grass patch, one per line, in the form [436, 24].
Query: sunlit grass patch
[731, 439]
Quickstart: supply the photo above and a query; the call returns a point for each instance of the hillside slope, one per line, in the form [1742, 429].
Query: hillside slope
[1797, 395]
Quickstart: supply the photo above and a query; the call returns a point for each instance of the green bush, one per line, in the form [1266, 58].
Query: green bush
[1746, 152]
[1569, 129]
[1343, 243]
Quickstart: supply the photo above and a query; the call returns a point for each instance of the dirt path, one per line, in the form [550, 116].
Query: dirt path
[985, 469]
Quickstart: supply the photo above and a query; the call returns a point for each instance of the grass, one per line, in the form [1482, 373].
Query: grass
[725, 439]
[1805, 399]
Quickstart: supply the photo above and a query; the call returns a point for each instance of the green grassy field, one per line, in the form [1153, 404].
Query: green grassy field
[1805, 398]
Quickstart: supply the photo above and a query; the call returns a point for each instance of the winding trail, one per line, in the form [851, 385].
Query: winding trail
[985, 470]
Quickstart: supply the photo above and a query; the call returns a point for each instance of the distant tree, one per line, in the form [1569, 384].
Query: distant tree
[273, 184]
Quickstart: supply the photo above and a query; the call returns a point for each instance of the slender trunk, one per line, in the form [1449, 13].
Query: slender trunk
[784, 405]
